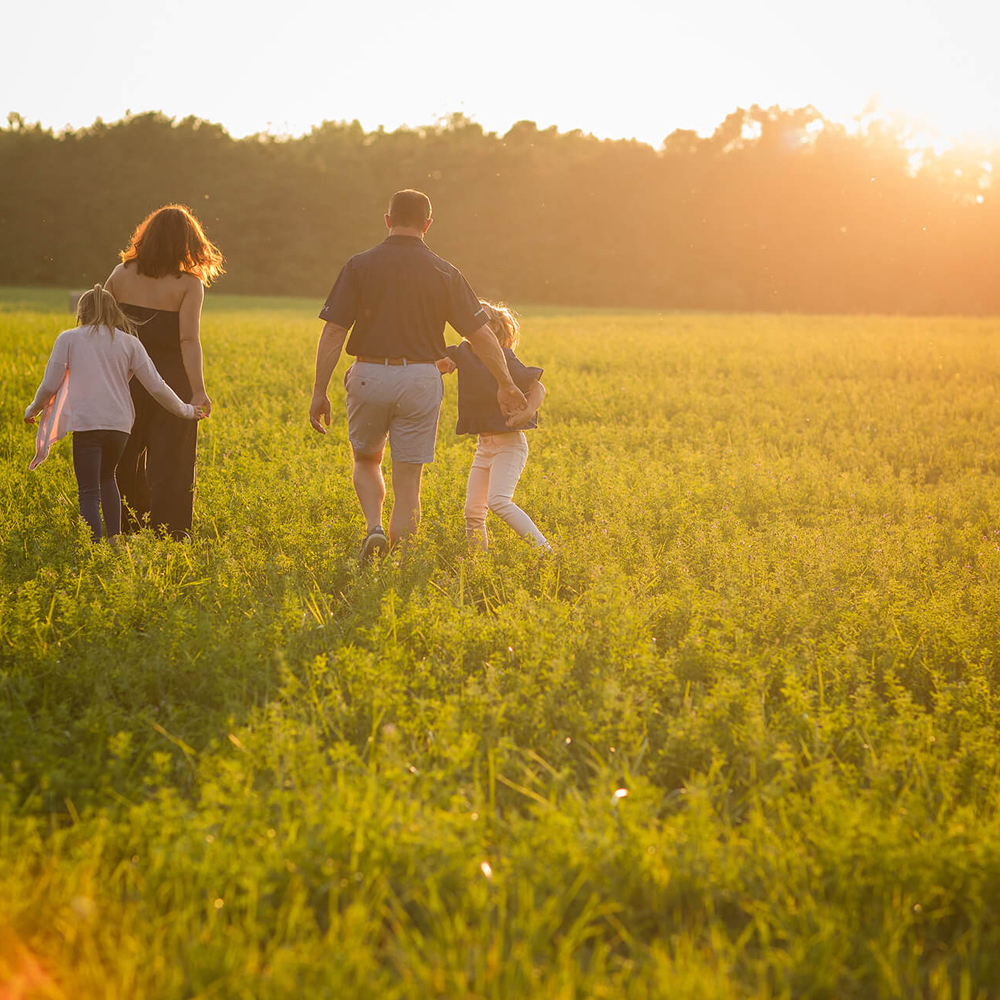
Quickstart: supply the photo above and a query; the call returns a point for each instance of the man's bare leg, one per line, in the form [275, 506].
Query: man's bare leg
[405, 514]
[369, 485]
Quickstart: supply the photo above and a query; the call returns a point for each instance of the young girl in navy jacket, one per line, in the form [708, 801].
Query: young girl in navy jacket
[501, 446]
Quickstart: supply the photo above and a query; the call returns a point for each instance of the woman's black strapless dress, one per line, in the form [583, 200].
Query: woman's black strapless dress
[156, 473]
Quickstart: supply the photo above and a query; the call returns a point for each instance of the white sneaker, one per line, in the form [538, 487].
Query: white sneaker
[375, 544]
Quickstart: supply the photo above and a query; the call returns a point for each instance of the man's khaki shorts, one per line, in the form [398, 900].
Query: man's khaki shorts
[400, 403]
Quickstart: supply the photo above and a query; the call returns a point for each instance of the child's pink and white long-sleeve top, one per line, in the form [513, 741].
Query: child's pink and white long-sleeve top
[85, 386]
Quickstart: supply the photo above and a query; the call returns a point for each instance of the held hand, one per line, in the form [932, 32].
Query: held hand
[203, 404]
[511, 401]
[445, 366]
[29, 420]
[320, 411]
[520, 419]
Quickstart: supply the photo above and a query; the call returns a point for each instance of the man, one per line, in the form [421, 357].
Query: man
[395, 300]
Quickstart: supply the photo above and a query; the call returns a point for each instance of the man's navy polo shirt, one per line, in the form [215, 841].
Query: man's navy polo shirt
[478, 409]
[398, 297]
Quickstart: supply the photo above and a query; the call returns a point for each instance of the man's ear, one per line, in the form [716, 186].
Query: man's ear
[427, 225]
[388, 224]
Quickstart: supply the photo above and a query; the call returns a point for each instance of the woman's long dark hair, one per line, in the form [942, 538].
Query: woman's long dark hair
[170, 241]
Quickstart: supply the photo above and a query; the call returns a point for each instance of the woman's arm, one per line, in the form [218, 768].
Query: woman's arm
[55, 369]
[190, 331]
[534, 396]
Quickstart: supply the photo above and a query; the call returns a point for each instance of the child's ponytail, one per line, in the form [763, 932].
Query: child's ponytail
[98, 308]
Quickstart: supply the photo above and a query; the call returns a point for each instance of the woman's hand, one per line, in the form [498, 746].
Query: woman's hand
[445, 366]
[29, 420]
[203, 404]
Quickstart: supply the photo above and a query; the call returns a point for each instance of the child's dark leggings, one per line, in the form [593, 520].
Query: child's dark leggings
[95, 455]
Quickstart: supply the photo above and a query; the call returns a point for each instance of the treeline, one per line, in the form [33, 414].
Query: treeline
[777, 210]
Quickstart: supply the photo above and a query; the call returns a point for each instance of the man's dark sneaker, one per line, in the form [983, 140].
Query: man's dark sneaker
[375, 544]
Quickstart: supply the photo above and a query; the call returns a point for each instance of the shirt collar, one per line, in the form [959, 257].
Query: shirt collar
[404, 241]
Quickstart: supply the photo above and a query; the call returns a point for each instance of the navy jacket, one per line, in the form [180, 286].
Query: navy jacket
[478, 409]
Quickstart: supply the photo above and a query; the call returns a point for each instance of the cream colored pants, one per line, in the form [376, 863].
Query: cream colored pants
[496, 468]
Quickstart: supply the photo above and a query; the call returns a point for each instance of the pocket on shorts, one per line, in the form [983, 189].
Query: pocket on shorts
[426, 392]
[435, 383]
[360, 383]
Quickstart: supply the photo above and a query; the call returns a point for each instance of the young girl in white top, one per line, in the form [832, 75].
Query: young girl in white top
[85, 390]
[501, 447]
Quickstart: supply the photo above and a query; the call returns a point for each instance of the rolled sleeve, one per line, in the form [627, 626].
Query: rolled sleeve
[341, 306]
[522, 374]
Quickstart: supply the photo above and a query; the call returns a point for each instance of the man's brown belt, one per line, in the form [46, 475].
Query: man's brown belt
[369, 359]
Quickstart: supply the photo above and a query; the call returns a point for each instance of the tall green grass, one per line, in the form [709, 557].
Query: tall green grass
[736, 737]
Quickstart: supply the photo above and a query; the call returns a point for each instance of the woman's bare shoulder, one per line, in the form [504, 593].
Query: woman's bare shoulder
[191, 283]
[116, 272]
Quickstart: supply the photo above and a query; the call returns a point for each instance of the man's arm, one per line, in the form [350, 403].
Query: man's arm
[331, 343]
[489, 351]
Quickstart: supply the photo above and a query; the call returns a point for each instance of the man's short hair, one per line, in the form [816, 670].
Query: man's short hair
[409, 208]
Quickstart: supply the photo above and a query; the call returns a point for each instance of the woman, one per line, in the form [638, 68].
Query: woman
[160, 285]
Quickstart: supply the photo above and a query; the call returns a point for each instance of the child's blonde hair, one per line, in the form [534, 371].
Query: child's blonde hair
[502, 322]
[98, 308]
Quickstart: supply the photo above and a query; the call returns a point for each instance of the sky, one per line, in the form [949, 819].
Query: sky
[626, 69]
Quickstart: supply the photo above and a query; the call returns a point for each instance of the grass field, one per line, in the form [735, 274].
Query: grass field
[737, 737]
